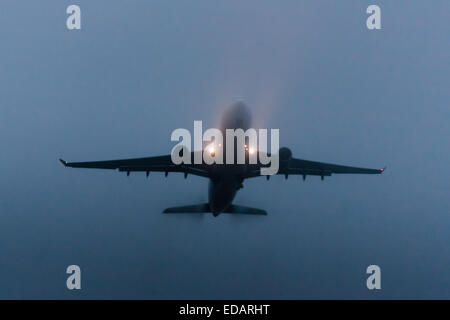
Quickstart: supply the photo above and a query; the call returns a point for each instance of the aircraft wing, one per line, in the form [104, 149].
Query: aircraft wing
[306, 167]
[298, 166]
[148, 164]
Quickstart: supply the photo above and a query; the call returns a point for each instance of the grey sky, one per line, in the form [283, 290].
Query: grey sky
[139, 69]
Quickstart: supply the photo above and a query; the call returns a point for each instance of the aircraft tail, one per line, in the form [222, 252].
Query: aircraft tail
[244, 210]
[204, 208]
[196, 208]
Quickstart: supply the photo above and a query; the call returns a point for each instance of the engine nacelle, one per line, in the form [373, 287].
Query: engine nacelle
[285, 155]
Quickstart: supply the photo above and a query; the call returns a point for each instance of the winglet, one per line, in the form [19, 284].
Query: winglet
[63, 162]
[383, 169]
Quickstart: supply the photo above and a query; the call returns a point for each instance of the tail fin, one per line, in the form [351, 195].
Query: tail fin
[196, 208]
[244, 210]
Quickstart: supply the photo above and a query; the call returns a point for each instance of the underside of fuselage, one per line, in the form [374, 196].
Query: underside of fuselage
[222, 191]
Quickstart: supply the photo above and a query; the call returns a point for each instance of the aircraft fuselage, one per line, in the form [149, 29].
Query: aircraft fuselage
[227, 179]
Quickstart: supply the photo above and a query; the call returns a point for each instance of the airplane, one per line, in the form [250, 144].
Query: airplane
[224, 179]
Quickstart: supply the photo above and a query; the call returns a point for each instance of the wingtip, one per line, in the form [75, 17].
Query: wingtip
[383, 169]
[63, 162]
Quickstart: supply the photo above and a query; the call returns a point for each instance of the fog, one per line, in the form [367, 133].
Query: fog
[137, 70]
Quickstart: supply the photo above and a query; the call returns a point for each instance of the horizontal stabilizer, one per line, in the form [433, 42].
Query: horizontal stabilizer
[196, 208]
[244, 210]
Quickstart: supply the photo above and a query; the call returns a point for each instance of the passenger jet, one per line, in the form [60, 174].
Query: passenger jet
[224, 179]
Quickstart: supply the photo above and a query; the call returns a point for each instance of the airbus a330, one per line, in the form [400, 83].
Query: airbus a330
[224, 179]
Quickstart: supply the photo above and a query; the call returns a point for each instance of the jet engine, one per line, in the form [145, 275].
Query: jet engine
[285, 155]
